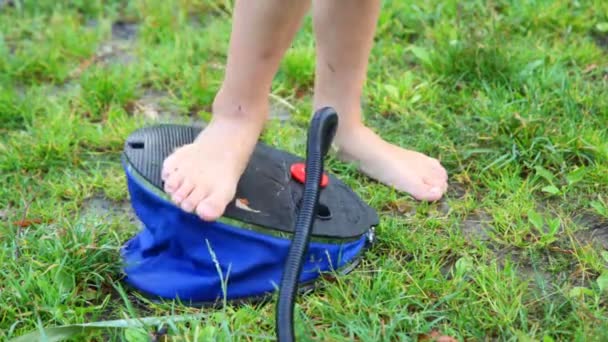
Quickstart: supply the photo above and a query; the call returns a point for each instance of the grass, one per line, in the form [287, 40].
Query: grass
[512, 96]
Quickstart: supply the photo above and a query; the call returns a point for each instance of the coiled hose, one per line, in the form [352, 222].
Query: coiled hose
[320, 135]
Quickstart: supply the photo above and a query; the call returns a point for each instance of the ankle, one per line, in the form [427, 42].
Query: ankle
[348, 108]
[349, 132]
[233, 107]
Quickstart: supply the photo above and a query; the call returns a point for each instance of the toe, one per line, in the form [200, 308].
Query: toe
[432, 194]
[173, 182]
[213, 206]
[434, 188]
[438, 169]
[183, 191]
[169, 167]
[193, 200]
[422, 191]
[443, 174]
[207, 211]
[437, 176]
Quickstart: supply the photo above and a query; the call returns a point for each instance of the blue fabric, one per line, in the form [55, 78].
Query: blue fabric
[171, 258]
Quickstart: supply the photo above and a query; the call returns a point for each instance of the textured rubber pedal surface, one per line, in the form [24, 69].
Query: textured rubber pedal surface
[266, 195]
[147, 148]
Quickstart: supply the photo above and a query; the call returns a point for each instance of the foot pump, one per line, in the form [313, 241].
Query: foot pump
[289, 223]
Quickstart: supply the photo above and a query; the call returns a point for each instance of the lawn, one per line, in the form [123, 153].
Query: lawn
[511, 96]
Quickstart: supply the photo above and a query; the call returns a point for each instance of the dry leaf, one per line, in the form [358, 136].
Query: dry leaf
[402, 207]
[300, 92]
[590, 68]
[146, 109]
[82, 67]
[430, 336]
[243, 203]
[436, 336]
[26, 223]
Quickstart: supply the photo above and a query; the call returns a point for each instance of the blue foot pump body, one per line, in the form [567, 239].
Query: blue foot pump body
[280, 231]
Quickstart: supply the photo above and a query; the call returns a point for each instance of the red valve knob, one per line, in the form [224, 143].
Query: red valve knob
[298, 172]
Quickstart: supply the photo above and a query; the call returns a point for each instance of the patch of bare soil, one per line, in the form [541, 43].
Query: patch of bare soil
[476, 226]
[156, 106]
[601, 39]
[534, 268]
[101, 207]
[595, 230]
[280, 109]
[119, 49]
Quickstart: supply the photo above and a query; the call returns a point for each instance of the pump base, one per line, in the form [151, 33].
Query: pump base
[178, 256]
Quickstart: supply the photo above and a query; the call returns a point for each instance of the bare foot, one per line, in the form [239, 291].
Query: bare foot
[202, 177]
[408, 171]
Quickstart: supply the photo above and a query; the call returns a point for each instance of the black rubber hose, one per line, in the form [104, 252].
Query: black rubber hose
[320, 135]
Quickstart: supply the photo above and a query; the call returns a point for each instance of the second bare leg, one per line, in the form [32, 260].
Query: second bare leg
[344, 32]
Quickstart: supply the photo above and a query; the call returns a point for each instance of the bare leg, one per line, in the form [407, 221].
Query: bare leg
[344, 33]
[202, 177]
